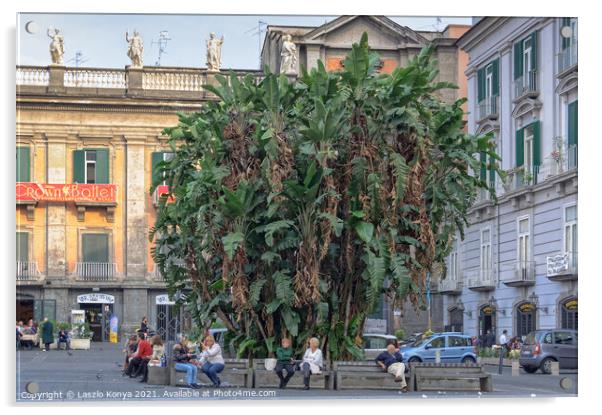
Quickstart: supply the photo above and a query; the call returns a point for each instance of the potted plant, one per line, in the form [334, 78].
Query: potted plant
[81, 336]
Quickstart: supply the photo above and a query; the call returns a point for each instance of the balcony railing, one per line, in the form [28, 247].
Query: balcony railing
[488, 107]
[95, 78]
[521, 177]
[567, 58]
[572, 157]
[525, 84]
[27, 271]
[174, 80]
[31, 75]
[480, 279]
[520, 273]
[450, 285]
[563, 266]
[96, 271]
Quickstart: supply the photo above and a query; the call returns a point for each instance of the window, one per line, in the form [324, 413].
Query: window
[438, 342]
[563, 337]
[457, 341]
[375, 343]
[453, 267]
[95, 248]
[525, 61]
[571, 40]
[525, 319]
[547, 338]
[528, 152]
[527, 55]
[572, 134]
[485, 250]
[568, 314]
[91, 166]
[523, 242]
[22, 246]
[157, 158]
[488, 88]
[570, 234]
[23, 164]
[489, 81]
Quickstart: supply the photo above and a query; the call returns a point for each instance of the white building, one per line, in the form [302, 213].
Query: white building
[516, 269]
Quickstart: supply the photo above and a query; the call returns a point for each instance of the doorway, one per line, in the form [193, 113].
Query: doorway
[487, 320]
[97, 316]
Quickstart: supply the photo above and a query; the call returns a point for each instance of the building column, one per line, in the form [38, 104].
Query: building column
[135, 306]
[56, 226]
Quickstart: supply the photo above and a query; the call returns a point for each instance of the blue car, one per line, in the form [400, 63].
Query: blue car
[453, 348]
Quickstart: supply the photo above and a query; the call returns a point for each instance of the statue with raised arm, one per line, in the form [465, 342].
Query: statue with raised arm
[57, 46]
[214, 52]
[288, 56]
[135, 49]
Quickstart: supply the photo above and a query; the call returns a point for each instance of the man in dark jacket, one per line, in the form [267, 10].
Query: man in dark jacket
[47, 334]
[391, 361]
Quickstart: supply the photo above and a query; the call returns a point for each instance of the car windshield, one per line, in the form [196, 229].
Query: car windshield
[420, 342]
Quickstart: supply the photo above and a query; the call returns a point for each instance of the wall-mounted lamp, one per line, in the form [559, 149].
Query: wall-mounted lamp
[534, 299]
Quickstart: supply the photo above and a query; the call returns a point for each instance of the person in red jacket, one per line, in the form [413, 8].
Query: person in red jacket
[140, 358]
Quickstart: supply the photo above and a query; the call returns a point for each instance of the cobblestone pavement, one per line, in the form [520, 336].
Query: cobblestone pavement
[95, 375]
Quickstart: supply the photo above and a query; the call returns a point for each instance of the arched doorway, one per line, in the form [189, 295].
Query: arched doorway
[526, 313]
[487, 322]
[568, 313]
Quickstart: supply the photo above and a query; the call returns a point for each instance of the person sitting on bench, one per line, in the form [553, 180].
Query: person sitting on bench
[312, 361]
[185, 362]
[63, 337]
[139, 359]
[391, 361]
[212, 361]
[284, 356]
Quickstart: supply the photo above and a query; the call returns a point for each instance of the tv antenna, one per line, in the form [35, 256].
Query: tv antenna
[257, 31]
[78, 59]
[162, 42]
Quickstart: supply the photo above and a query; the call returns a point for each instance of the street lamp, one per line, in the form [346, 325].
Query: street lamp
[534, 299]
[493, 303]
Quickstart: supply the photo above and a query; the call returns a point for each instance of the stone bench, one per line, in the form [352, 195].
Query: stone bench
[158, 375]
[268, 379]
[236, 373]
[366, 374]
[451, 377]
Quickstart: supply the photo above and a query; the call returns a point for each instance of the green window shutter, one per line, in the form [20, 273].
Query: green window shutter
[491, 170]
[496, 78]
[22, 246]
[102, 166]
[483, 173]
[566, 21]
[520, 147]
[534, 50]
[95, 247]
[23, 164]
[573, 123]
[536, 143]
[481, 84]
[157, 158]
[518, 60]
[79, 166]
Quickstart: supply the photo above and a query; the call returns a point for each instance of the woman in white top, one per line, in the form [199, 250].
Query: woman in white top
[212, 360]
[312, 361]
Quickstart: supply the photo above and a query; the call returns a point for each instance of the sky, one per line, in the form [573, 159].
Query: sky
[101, 37]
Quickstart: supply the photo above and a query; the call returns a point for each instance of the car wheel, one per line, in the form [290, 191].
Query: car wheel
[546, 365]
[468, 359]
[530, 369]
[414, 359]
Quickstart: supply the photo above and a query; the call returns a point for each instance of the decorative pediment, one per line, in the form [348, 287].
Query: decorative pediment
[568, 83]
[487, 125]
[526, 106]
[350, 29]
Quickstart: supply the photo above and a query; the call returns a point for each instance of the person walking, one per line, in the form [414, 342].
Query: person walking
[212, 360]
[312, 361]
[391, 361]
[144, 325]
[284, 362]
[184, 362]
[47, 334]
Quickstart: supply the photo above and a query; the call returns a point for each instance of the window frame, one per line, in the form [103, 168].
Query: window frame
[92, 162]
[521, 235]
[87, 231]
[484, 245]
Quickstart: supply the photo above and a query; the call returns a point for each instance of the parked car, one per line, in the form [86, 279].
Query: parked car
[375, 343]
[30, 338]
[542, 347]
[409, 341]
[453, 347]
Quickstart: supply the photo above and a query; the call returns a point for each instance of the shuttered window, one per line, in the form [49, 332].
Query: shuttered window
[23, 246]
[488, 81]
[158, 157]
[95, 247]
[23, 164]
[573, 123]
[525, 55]
[528, 145]
[91, 166]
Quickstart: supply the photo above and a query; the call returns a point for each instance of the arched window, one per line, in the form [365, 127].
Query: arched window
[525, 318]
[568, 314]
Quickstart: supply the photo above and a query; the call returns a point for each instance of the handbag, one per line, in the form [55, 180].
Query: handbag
[270, 363]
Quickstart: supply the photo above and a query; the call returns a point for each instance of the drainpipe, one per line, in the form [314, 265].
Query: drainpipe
[125, 226]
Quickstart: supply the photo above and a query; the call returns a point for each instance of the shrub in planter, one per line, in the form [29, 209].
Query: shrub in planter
[400, 334]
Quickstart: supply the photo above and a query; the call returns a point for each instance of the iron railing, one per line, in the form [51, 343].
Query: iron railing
[567, 57]
[480, 278]
[488, 107]
[27, 270]
[96, 271]
[525, 84]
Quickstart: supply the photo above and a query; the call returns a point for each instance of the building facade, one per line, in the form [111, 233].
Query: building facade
[87, 143]
[517, 268]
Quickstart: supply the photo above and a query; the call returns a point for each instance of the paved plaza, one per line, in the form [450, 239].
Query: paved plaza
[95, 375]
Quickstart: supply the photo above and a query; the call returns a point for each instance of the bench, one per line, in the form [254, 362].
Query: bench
[236, 373]
[158, 375]
[451, 377]
[268, 379]
[366, 374]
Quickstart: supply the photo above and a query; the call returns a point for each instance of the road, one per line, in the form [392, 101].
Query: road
[95, 375]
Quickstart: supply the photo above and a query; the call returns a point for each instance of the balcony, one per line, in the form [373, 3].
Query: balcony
[562, 267]
[519, 274]
[488, 108]
[28, 271]
[526, 85]
[96, 271]
[481, 279]
[521, 177]
[450, 286]
[567, 59]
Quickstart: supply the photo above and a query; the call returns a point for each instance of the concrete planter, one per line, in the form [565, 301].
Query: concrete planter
[80, 344]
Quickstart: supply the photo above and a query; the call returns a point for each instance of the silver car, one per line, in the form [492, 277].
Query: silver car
[542, 347]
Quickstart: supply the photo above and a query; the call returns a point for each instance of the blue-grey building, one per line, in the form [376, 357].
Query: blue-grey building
[516, 268]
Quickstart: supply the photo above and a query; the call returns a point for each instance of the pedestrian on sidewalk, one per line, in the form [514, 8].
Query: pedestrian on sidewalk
[47, 334]
[284, 356]
[212, 360]
[312, 363]
[391, 361]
